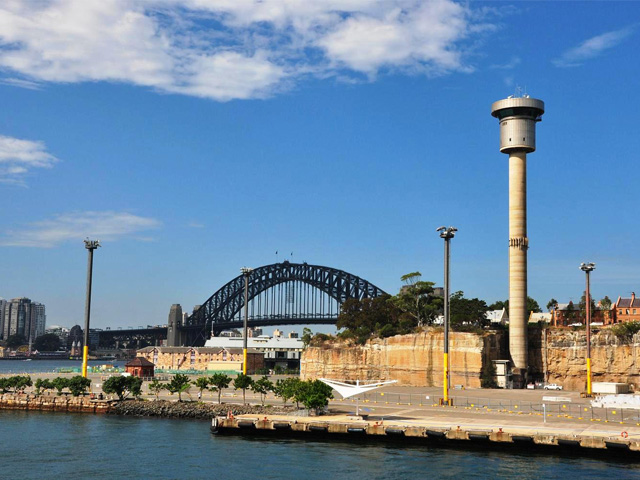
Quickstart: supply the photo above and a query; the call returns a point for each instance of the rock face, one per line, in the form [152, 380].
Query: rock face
[410, 359]
[562, 357]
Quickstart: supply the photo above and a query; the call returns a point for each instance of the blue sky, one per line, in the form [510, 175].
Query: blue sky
[194, 137]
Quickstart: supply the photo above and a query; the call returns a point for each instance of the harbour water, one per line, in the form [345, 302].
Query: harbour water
[59, 445]
[25, 367]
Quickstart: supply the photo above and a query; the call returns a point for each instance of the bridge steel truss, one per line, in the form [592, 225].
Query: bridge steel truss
[219, 311]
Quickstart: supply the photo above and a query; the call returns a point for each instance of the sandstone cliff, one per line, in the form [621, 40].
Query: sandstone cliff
[410, 359]
[562, 357]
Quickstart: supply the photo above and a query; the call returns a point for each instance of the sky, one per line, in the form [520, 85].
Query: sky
[195, 137]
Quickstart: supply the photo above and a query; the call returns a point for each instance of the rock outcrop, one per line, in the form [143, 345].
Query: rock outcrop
[410, 359]
[561, 355]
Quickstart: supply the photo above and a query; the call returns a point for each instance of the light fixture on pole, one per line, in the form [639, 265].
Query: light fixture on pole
[587, 268]
[246, 272]
[90, 245]
[447, 233]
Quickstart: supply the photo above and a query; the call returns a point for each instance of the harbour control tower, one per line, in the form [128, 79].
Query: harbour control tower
[518, 117]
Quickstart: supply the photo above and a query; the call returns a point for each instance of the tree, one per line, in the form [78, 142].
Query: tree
[49, 342]
[202, 383]
[78, 385]
[179, 384]
[15, 341]
[606, 303]
[262, 386]
[532, 305]
[583, 306]
[488, 375]
[379, 316]
[123, 386]
[43, 384]
[306, 336]
[467, 311]
[243, 382]
[314, 394]
[60, 383]
[285, 388]
[218, 382]
[416, 299]
[156, 386]
[552, 304]
[570, 313]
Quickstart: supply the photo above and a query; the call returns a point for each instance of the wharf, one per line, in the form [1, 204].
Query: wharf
[590, 439]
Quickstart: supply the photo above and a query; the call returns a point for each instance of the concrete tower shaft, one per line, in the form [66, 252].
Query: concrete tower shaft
[518, 117]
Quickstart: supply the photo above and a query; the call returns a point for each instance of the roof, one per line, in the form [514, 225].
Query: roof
[628, 302]
[139, 362]
[201, 350]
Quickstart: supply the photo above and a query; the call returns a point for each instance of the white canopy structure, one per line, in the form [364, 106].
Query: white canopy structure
[349, 390]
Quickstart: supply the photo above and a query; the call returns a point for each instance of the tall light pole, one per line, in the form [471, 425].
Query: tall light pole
[90, 245]
[447, 233]
[246, 272]
[587, 268]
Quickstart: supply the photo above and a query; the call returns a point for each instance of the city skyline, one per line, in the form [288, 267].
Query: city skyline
[194, 139]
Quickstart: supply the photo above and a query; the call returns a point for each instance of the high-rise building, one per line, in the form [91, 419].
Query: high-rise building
[21, 316]
[3, 304]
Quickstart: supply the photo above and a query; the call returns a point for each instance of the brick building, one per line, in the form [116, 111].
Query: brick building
[140, 367]
[202, 358]
[567, 314]
[627, 309]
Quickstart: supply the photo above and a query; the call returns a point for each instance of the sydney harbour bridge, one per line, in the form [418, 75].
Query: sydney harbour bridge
[278, 294]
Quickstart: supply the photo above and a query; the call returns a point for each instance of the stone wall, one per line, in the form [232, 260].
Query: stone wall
[562, 357]
[12, 401]
[414, 359]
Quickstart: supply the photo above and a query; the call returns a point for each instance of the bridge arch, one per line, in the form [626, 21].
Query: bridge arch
[219, 310]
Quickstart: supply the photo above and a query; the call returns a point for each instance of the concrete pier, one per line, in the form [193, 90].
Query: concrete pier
[606, 440]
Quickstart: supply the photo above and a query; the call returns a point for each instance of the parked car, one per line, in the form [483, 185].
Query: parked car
[553, 386]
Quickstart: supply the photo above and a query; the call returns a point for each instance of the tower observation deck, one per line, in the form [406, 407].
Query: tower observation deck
[518, 117]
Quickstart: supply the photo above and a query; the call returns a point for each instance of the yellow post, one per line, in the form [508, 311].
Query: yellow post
[85, 359]
[244, 361]
[589, 376]
[446, 379]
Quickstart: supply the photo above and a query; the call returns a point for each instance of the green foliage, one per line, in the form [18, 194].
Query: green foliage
[78, 385]
[179, 384]
[313, 394]
[488, 375]
[44, 385]
[262, 386]
[368, 317]
[201, 383]
[626, 329]
[306, 336]
[156, 386]
[606, 303]
[552, 304]
[48, 342]
[469, 312]
[243, 382]
[15, 341]
[218, 382]
[532, 305]
[60, 383]
[285, 388]
[416, 300]
[123, 386]
[17, 382]
[583, 306]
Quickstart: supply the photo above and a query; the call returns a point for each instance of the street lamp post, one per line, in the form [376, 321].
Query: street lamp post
[246, 272]
[90, 245]
[587, 268]
[447, 233]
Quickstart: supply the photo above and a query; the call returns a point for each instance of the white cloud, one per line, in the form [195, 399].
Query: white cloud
[18, 156]
[229, 49]
[592, 48]
[78, 226]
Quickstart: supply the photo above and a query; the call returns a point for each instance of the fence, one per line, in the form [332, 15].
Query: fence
[563, 409]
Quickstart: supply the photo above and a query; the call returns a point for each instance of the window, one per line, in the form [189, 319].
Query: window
[193, 357]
